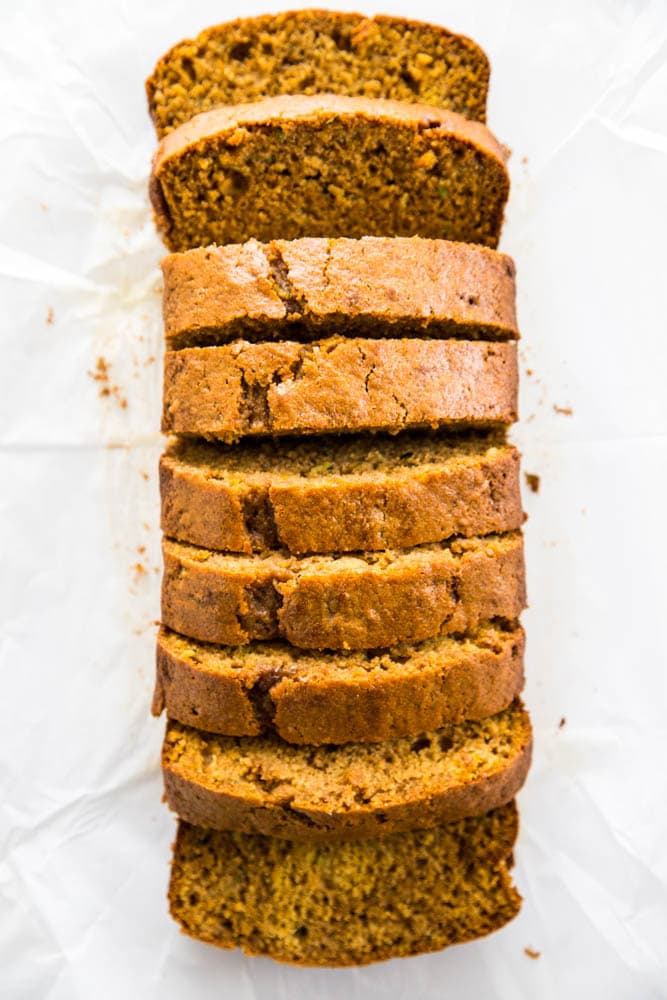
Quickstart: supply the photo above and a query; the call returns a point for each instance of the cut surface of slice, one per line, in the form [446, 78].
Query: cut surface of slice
[318, 51]
[363, 601]
[338, 494]
[264, 785]
[346, 903]
[319, 698]
[328, 166]
[338, 386]
[312, 288]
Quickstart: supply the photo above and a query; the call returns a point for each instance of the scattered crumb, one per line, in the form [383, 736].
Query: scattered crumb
[145, 475]
[565, 410]
[531, 953]
[524, 160]
[139, 571]
[529, 372]
[533, 482]
[142, 629]
[150, 361]
[562, 722]
[157, 622]
[141, 549]
[107, 388]
[50, 316]
[146, 526]
[101, 373]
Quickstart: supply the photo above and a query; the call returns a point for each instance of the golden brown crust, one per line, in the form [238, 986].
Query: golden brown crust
[332, 698]
[349, 903]
[353, 602]
[309, 288]
[381, 493]
[262, 785]
[230, 174]
[338, 385]
[310, 51]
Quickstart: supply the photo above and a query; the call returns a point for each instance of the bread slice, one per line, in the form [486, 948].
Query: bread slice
[293, 166]
[338, 494]
[318, 51]
[263, 785]
[346, 903]
[338, 385]
[361, 601]
[312, 288]
[318, 698]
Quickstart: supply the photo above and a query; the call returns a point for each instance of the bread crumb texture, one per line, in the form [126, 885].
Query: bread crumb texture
[328, 166]
[348, 903]
[317, 51]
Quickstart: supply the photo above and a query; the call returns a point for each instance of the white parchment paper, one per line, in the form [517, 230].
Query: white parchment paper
[579, 91]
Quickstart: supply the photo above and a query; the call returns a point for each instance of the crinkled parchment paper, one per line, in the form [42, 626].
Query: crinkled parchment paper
[579, 91]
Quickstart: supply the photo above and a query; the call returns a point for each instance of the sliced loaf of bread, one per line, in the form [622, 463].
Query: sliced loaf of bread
[312, 288]
[362, 601]
[346, 903]
[338, 385]
[328, 166]
[263, 785]
[338, 494]
[318, 698]
[317, 51]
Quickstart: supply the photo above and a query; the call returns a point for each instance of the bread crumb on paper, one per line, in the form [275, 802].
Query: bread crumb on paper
[531, 953]
[139, 571]
[532, 482]
[567, 411]
[107, 388]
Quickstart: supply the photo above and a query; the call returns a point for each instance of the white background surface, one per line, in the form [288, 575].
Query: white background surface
[579, 91]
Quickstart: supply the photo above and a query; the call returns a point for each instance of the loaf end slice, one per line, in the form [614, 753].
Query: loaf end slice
[349, 903]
